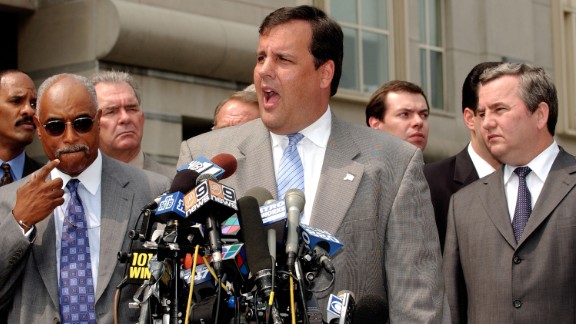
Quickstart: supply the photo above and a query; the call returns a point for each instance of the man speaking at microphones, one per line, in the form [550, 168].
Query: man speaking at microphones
[62, 226]
[365, 187]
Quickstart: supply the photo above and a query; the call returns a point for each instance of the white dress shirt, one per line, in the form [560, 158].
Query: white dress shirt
[312, 149]
[482, 167]
[540, 167]
[89, 191]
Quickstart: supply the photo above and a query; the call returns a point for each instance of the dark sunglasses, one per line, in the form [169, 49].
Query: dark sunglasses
[57, 127]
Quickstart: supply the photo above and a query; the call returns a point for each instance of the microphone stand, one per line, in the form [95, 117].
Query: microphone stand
[300, 283]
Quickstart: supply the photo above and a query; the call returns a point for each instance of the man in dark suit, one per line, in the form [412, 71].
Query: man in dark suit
[447, 176]
[364, 186]
[17, 107]
[90, 197]
[509, 253]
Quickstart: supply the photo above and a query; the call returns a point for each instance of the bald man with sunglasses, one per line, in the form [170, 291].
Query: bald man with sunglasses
[63, 226]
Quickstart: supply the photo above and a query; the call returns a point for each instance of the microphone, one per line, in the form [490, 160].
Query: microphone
[221, 166]
[227, 162]
[257, 253]
[183, 182]
[261, 195]
[211, 202]
[273, 212]
[371, 309]
[171, 205]
[341, 308]
[154, 204]
[295, 201]
[321, 244]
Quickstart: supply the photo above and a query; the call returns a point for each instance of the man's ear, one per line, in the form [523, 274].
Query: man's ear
[327, 74]
[468, 116]
[38, 126]
[542, 113]
[374, 122]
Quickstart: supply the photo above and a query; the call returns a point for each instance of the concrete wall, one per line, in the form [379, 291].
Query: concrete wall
[188, 55]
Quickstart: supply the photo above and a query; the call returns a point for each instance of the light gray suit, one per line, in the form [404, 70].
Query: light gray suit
[151, 165]
[383, 214]
[28, 277]
[490, 278]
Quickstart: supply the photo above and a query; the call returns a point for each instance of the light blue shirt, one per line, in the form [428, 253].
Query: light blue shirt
[16, 166]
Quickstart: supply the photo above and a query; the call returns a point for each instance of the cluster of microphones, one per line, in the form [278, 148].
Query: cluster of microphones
[207, 256]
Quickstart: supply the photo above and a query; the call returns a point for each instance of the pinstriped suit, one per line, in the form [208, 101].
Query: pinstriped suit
[383, 216]
[28, 271]
[491, 279]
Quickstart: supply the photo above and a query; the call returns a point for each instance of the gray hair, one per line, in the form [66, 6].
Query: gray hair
[53, 79]
[116, 77]
[535, 87]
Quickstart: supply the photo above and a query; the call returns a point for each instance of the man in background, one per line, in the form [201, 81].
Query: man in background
[239, 108]
[509, 252]
[447, 176]
[63, 226]
[17, 108]
[122, 122]
[401, 109]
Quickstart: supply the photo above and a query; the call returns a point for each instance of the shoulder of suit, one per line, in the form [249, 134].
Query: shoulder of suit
[120, 169]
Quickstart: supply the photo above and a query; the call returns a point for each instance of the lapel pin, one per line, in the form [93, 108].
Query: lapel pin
[349, 177]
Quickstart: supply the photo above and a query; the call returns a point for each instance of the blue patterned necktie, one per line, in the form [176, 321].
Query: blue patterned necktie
[291, 171]
[76, 284]
[523, 204]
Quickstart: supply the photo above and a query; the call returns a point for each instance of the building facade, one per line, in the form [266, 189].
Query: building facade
[187, 55]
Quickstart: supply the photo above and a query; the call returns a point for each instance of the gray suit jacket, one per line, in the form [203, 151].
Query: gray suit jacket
[383, 215]
[28, 278]
[490, 278]
[151, 165]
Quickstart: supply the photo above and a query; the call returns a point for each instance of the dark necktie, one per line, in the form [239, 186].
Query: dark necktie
[7, 177]
[76, 284]
[291, 171]
[523, 204]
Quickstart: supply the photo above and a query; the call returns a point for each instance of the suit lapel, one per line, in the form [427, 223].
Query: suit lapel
[116, 210]
[44, 252]
[255, 163]
[341, 176]
[560, 181]
[464, 171]
[494, 201]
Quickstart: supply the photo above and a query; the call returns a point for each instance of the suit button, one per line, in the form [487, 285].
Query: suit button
[516, 259]
[517, 303]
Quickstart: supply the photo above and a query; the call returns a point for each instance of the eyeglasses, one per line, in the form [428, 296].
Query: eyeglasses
[57, 127]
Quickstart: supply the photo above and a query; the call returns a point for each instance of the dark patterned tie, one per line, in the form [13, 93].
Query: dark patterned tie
[523, 204]
[7, 177]
[291, 171]
[76, 284]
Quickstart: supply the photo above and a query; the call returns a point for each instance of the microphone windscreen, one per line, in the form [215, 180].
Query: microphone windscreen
[371, 309]
[205, 176]
[184, 181]
[253, 235]
[262, 195]
[227, 162]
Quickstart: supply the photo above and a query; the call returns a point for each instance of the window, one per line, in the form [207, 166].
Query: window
[432, 51]
[367, 43]
[564, 42]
